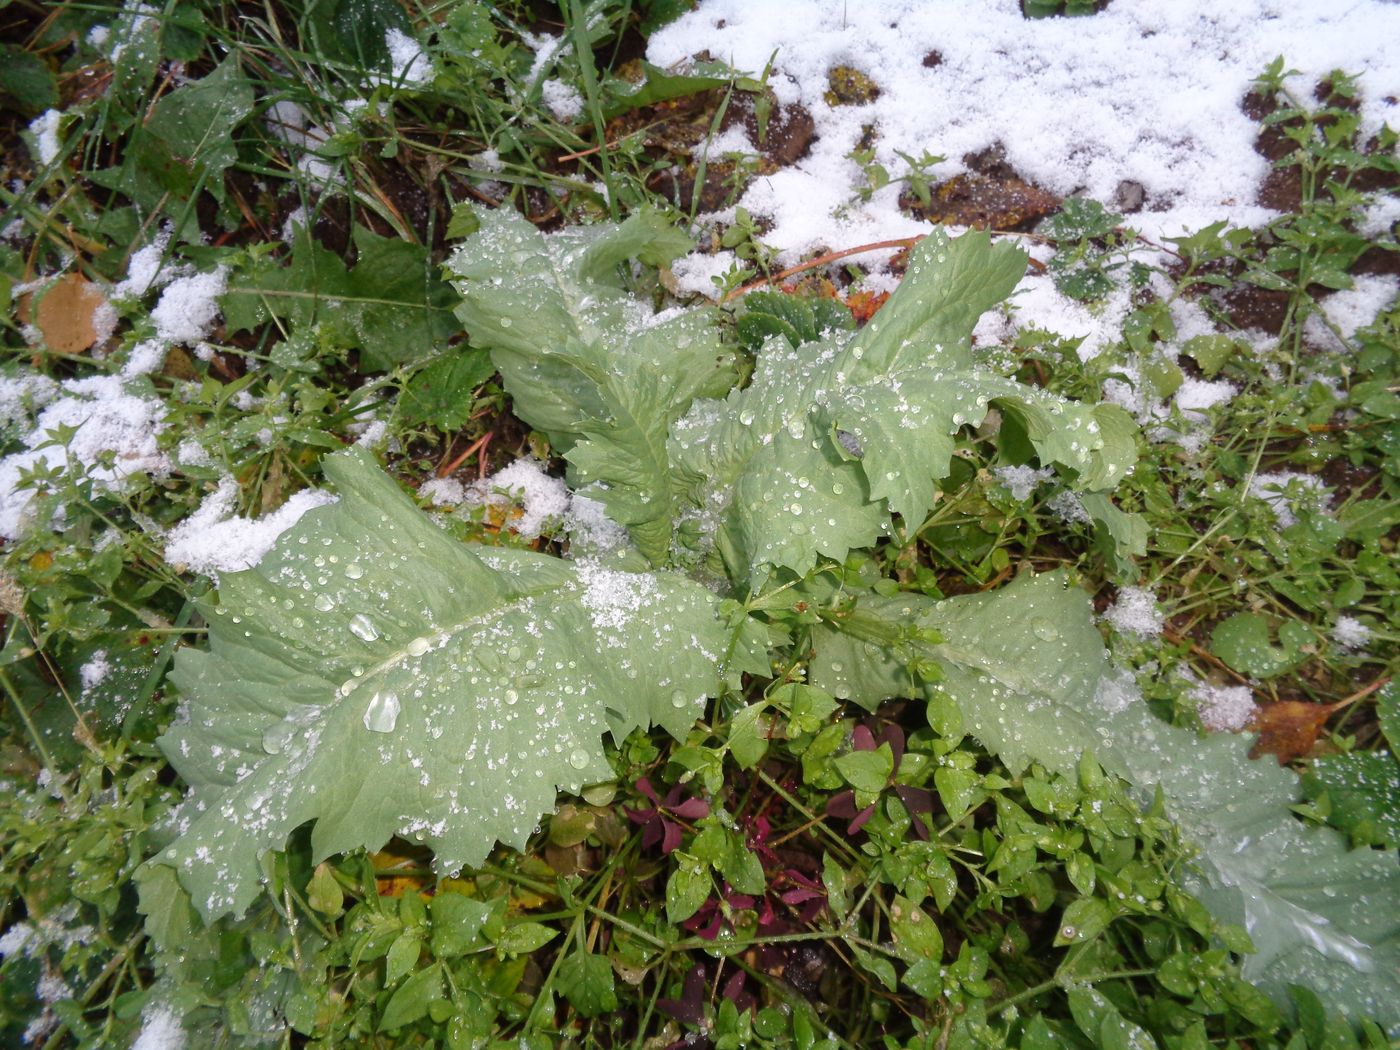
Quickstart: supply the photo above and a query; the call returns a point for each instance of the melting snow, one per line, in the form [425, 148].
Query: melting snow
[1350, 633]
[1274, 490]
[1136, 612]
[1147, 92]
[44, 128]
[1022, 481]
[160, 1030]
[1223, 708]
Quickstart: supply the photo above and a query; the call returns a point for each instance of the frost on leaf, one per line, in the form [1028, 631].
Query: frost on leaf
[1024, 666]
[379, 678]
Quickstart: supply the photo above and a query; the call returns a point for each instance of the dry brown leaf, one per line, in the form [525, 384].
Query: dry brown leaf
[1288, 728]
[67, 314]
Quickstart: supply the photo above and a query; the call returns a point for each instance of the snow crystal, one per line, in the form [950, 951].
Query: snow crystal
[1117, 690]
[44, 128]
[411, 67]
[144, 271]
[540, 497]
[590, 527]
[1274, 489]
[1223, 708]
[160, 1030]
[107, 422]
[14, 940]
[1068, 507]
[442, 492]
[95, 671]
[1022, 481]
[97, 36]
[1350, 633]
[1136, 612]
[214, 540]
[189, 306]
[563, 101]
[611, 597]
[1351, 309]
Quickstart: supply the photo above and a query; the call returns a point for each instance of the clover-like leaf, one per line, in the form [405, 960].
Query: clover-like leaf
[377, 677]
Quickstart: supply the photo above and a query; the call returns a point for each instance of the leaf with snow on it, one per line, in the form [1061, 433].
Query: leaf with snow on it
[834, 435]
[375, 676]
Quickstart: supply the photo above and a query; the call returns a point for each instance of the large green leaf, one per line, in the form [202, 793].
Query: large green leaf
[379, 678]
[1029, 674]
[557, 319]
[833, 435]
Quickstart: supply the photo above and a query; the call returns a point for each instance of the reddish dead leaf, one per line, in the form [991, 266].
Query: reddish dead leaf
[864, 305]
[68, 314]
[1288, 728]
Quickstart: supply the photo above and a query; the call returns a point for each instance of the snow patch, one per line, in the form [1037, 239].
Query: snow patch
[1281, 489]
[44, 128]
[1223, 708]
[213, 539]
[160, 1030]
[113, 438]
[1135, 612]
[189, 306]
[1350, 633]
[1351, 309]
[410, 66]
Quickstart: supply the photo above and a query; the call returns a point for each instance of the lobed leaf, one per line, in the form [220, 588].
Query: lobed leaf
[381, 679]
[833, 435]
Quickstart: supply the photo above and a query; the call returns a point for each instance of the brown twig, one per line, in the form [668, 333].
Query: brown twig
[822, 260]
[475, 446]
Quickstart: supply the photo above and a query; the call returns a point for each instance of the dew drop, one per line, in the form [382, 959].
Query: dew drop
[382, 714]
[418, 646]
[679, 699]
[324, 603]
[353, 571]
[1045, 630]
[362, 627]
[276, 738]
[578, 758]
